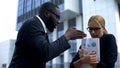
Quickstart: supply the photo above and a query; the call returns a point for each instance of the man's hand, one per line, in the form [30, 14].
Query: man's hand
[72, 34]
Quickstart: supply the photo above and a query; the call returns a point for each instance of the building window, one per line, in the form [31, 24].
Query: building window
[60, 30]
[72, 23]
[61, 61]
[37, 3]
[119, 9]
[4, 65]
[50, 37]
[71, 56]
[20, 7]
[29, 2]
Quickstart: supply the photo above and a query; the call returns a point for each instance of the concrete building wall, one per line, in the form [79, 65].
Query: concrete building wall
[72, 5]
[6, 50]
[106, 8]
[11, 49]
[4, 53]
[117, 65]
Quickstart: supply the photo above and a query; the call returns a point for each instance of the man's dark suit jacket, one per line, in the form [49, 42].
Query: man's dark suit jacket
[33, 49]
[108, 52]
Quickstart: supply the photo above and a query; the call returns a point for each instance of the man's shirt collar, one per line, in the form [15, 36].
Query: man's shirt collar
[43, 24]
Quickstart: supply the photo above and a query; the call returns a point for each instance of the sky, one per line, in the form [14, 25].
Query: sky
[8, 16]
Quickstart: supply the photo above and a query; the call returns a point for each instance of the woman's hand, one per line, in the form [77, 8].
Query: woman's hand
[89, 58]
[86, 58]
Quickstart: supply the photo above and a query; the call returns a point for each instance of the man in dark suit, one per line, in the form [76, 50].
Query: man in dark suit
[32, 48]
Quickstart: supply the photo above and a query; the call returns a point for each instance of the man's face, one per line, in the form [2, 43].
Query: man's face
[53, 19]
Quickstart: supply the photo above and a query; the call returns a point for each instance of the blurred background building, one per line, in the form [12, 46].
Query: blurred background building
[73, 13]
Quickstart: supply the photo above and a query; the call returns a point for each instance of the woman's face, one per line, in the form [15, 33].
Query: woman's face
[95, 29]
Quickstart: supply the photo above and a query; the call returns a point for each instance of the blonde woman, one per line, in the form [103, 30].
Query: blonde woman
[108, 46]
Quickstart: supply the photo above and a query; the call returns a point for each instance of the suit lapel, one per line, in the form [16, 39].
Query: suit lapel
[46, 34]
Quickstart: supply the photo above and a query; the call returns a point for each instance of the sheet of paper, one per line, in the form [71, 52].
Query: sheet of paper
[91, 45]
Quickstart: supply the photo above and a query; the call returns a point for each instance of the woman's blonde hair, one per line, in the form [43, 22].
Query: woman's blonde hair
[100, 20]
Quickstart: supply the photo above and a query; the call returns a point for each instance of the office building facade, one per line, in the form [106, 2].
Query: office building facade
[73, 13]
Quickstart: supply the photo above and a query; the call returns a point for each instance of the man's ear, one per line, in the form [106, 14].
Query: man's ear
[47, 14]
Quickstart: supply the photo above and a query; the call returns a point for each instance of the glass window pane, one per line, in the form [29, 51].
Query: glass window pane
[71, 23]
[60, 30]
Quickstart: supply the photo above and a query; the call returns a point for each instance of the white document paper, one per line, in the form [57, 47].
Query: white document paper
[91, 45]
